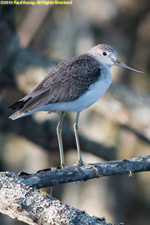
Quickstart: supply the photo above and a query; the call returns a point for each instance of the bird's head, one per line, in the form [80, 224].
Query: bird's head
[106, 55]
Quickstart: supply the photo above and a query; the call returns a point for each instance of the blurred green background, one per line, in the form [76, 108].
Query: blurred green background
[33, 39]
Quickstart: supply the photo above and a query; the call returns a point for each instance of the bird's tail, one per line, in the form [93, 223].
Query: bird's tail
[18, 115]
[29, 104]
[19, 106]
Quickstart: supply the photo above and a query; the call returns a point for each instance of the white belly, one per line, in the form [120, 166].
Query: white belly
[94, 93]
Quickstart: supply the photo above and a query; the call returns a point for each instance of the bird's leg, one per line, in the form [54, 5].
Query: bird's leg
[75, 126]
[59, 136]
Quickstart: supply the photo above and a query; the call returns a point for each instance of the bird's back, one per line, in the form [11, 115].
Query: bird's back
[67, 82]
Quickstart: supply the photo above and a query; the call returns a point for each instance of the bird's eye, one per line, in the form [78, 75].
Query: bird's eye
[104, 53]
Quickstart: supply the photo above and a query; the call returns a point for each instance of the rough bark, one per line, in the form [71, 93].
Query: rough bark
[21, 200]
[56, 175]
[27, 204]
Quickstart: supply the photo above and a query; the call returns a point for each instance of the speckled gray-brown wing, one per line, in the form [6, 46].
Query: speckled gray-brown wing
[65, 83]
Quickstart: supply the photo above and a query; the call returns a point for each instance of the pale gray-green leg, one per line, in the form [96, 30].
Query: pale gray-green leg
[75, 126]
[59, 136]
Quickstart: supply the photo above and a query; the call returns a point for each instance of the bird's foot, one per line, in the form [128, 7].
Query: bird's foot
[89, 166]
[62, 166]
[81, 162]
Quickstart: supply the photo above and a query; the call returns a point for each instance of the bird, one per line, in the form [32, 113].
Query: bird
[72, 86]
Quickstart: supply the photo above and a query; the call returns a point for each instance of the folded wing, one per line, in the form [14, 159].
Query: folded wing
[65, 83]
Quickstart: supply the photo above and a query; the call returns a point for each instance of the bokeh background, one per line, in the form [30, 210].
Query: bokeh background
[33, 39]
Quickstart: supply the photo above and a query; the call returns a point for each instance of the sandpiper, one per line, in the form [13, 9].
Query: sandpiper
[73, 85]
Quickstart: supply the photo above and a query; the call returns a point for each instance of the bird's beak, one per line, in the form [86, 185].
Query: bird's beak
[118, 63]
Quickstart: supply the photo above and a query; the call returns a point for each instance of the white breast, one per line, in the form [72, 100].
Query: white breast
[94, 93]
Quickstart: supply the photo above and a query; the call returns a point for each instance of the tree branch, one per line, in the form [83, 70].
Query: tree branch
[34, 207]
[21, 200]
[55, 175]
[126, 105]
[41, 133]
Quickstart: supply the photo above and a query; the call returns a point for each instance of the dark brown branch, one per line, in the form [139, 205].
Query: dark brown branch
[122, 104]
[35, 207]
[54, 176]
[136, 133]
[45, 135]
